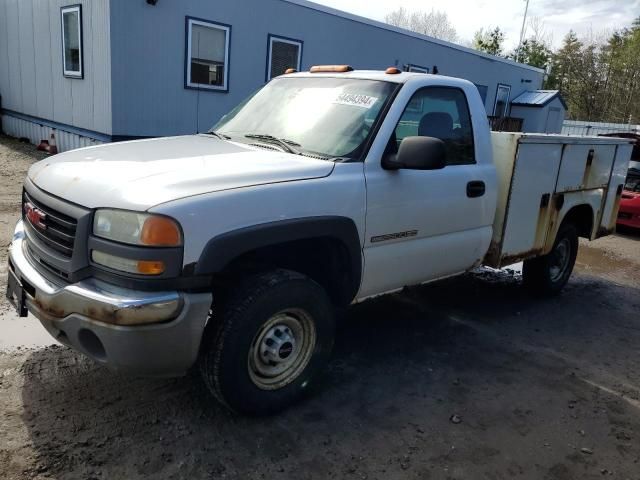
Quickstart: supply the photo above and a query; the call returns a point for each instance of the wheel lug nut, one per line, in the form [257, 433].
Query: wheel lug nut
[269, 342]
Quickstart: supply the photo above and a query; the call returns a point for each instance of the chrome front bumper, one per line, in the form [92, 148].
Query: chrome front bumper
[149, 333]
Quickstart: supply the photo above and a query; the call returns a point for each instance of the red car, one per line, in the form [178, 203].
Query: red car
[629, 213]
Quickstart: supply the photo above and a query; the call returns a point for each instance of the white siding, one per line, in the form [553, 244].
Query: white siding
[31, 79]
[19, 128]
[4, 52]
[13, 98]
[43, 62]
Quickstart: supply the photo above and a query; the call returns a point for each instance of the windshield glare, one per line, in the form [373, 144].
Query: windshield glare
[331, 117]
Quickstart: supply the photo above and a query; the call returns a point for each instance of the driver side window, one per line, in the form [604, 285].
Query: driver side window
[441, 113]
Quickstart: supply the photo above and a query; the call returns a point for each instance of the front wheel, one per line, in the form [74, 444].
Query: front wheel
[273, 337]
[550, 273]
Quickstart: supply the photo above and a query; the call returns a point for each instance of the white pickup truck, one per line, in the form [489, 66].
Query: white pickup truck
[233, 249]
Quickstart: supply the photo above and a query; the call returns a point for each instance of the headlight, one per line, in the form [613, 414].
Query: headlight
[137, 228]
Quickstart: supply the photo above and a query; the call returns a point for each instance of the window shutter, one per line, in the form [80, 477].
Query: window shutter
[283, 55]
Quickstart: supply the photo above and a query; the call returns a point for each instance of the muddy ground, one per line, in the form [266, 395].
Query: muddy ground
[471, 378]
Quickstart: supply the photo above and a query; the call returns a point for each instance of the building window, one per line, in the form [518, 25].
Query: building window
[483, 90]
[207, 65]
[284, 53]
[501, 107]
[442, 113]
[416, 68]
[72, 41]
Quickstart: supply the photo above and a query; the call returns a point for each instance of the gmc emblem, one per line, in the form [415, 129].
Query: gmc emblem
[36, 217]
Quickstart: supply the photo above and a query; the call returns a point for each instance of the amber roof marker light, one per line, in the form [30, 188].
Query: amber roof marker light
[289, 71]
[331, 69]
[392, 71]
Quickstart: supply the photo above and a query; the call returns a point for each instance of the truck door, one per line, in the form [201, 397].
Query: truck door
[424, 225]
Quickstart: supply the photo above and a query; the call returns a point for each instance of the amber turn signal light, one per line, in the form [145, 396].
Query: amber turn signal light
[160, 232]
[150, 267]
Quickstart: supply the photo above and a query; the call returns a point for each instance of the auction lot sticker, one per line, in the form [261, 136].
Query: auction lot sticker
[355, 100]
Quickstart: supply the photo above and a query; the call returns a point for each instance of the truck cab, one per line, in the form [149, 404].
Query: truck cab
[233, 249]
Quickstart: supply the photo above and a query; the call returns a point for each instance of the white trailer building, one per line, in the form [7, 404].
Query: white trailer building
[107, 70]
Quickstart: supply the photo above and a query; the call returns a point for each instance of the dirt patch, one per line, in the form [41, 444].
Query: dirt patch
[15, 159]
[470, 378]
[616, 258]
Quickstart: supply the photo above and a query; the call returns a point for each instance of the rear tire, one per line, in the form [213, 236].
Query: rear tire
[273, 338]
[547, 275]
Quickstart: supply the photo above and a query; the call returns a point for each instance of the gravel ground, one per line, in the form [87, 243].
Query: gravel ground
[15, 159]
[469, 378]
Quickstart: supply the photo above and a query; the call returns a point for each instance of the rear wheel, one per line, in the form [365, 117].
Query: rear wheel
[273, 337]
[550, 273]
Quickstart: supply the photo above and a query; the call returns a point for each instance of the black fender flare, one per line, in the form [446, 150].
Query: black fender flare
[221, 250]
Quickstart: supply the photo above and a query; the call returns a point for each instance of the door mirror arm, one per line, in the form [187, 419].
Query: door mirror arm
[390, 162]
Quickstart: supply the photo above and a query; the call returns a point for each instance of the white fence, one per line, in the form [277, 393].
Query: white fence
[576, 127]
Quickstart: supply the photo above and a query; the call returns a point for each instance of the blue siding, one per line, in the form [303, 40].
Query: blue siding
[148, 58]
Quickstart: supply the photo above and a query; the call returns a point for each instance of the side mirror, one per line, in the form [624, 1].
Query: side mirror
[418, 153]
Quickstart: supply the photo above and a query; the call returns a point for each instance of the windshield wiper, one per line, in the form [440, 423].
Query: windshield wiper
[218, 135]
[286, 145]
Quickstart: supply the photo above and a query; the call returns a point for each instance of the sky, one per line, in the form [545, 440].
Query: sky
[468, 16]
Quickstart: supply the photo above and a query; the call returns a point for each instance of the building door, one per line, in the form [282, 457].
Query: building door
[554, 124]
[501, 106]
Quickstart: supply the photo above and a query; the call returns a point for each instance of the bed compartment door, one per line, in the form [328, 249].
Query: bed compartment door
[572, 175]
[614, 192]
[530, 200]
[585, 167]
[599, 173]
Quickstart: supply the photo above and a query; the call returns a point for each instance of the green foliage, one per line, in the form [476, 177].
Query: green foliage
[533, 52]
[600, 80]
[490, 41]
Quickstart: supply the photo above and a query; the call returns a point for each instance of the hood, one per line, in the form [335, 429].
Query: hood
[140, 174]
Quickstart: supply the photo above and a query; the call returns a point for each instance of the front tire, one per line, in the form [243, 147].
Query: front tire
[549, 274]
[273, 337]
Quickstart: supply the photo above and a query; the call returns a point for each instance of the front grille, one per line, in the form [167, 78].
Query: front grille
[57, 230]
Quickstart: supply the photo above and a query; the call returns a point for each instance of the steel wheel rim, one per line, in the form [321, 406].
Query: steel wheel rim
[281, 349]
[560, 260]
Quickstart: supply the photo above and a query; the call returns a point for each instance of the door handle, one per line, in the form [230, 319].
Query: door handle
[475, 189]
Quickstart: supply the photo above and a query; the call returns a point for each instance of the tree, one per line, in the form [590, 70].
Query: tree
[489, 41]
[434, 23]
[620, 54]
[600, 78]
[534, 53]
[536, 48]
[564, 62]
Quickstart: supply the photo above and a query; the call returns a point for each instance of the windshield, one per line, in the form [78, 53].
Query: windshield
[633, 180]
[329, 117]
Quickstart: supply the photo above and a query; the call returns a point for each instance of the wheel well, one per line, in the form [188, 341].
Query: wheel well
[326, 260]
[582, 217]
